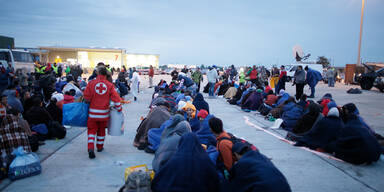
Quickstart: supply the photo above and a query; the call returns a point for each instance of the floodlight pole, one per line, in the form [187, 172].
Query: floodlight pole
[361, 31]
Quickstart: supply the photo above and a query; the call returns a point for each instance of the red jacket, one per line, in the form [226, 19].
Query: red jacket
[68, 99]
[151, 72]
[99, 93]
[253, 74]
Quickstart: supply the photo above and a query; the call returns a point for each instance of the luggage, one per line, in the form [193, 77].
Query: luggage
[24, 165]
[235, 139]
[75, 114]
[115, 124]
[137, 178]
[56, 130]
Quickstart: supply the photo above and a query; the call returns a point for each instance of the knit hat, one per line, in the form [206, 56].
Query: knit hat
[181, 105]
[202, 113]
[281, 93]
[259, 91]
[334, 112]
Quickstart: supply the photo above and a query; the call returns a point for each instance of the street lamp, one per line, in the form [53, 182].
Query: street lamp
[361, 31]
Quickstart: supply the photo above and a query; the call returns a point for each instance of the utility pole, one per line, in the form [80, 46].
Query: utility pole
[361, 31]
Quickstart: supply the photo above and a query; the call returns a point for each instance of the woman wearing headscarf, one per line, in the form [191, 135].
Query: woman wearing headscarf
[200, 103]
[253, 102]
[189, 169]
[169, 141]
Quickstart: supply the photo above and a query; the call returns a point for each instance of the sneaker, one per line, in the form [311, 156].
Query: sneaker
[91, 154]
[100, 150]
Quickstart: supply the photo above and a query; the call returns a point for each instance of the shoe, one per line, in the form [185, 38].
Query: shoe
[91, 154]
[100, 150]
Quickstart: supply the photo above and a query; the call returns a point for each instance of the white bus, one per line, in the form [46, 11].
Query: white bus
[18, 59]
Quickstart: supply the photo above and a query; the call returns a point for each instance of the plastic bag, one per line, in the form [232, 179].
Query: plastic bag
[24, 165]
[75, 114]
[115, 124]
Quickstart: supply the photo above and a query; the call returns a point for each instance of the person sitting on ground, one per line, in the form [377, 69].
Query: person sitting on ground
[224, 146]
[154, 119]
[282, 97]
[54, 110]
[69, 97]
[303, 101]
[169, 141]
[231, 92]
[189, 169]
[254, 172]
[204, 134]
[271, 98]
[200, 103]
[355, 144]
[12, 136]
[327, 98]
[3, 106]
[37, 114]
[325, 131]
[308, 120]
[253, 102]
[13, 101]
[267, 87]
[291, 114]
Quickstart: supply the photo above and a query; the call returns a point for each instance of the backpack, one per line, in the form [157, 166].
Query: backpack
[235, 139]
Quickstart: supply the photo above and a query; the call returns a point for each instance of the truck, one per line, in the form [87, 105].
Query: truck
[16, 59]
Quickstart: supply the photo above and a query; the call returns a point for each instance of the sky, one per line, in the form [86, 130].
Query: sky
[195, 32]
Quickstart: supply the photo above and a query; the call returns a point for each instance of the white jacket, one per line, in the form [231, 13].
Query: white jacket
[212, 76]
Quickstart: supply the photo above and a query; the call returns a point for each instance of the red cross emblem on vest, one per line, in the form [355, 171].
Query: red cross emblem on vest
[101, 88]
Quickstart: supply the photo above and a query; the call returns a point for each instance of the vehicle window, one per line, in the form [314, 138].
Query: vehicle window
[22, 56]
[5, 56]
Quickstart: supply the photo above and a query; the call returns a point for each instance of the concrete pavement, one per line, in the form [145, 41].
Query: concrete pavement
[69, 169]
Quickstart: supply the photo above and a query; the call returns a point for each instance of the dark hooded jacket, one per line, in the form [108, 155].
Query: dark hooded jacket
[325, 131]
[255, 172]
[13, 101]
[306, 122]
[253, 102]
[189, 169]
[200, 103]
[204, 133]
[355, 144]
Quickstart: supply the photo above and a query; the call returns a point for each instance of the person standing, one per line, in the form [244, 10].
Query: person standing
[330, 77]
[299, 81]
[274, 77]
[252, 73]
[282, 79]
[197, 77]
[151, 73]
[98, 94]
[313, 77]
[232, 73]
[185, 69]
[212, 76]
[135, 83]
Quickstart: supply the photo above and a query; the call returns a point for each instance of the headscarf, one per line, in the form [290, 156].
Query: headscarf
[200, 103]
[189, 169]
[189, 106]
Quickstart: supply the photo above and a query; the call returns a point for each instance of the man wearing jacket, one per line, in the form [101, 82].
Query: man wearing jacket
[299, 81]
[99, 93]
[212, 76]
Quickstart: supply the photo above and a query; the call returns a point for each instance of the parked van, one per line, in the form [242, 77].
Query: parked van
[291, 68]
[18, 59]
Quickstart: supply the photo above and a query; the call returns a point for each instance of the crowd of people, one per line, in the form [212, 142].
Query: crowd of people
[186, 137]
[192, 150]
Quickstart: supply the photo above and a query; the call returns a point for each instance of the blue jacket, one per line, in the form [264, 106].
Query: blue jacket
[154, 135]
[187, 81]
[282, 99]
[200, 103]
[291, 114]
[189, 169]
[313, 77]
[13, 101]
[204, 133]
[255, 172]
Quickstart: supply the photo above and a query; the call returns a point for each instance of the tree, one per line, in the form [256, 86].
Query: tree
[323, 60]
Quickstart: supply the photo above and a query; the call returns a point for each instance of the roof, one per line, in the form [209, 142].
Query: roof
[97, 49]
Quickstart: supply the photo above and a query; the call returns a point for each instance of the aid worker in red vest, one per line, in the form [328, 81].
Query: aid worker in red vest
[99, 93]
